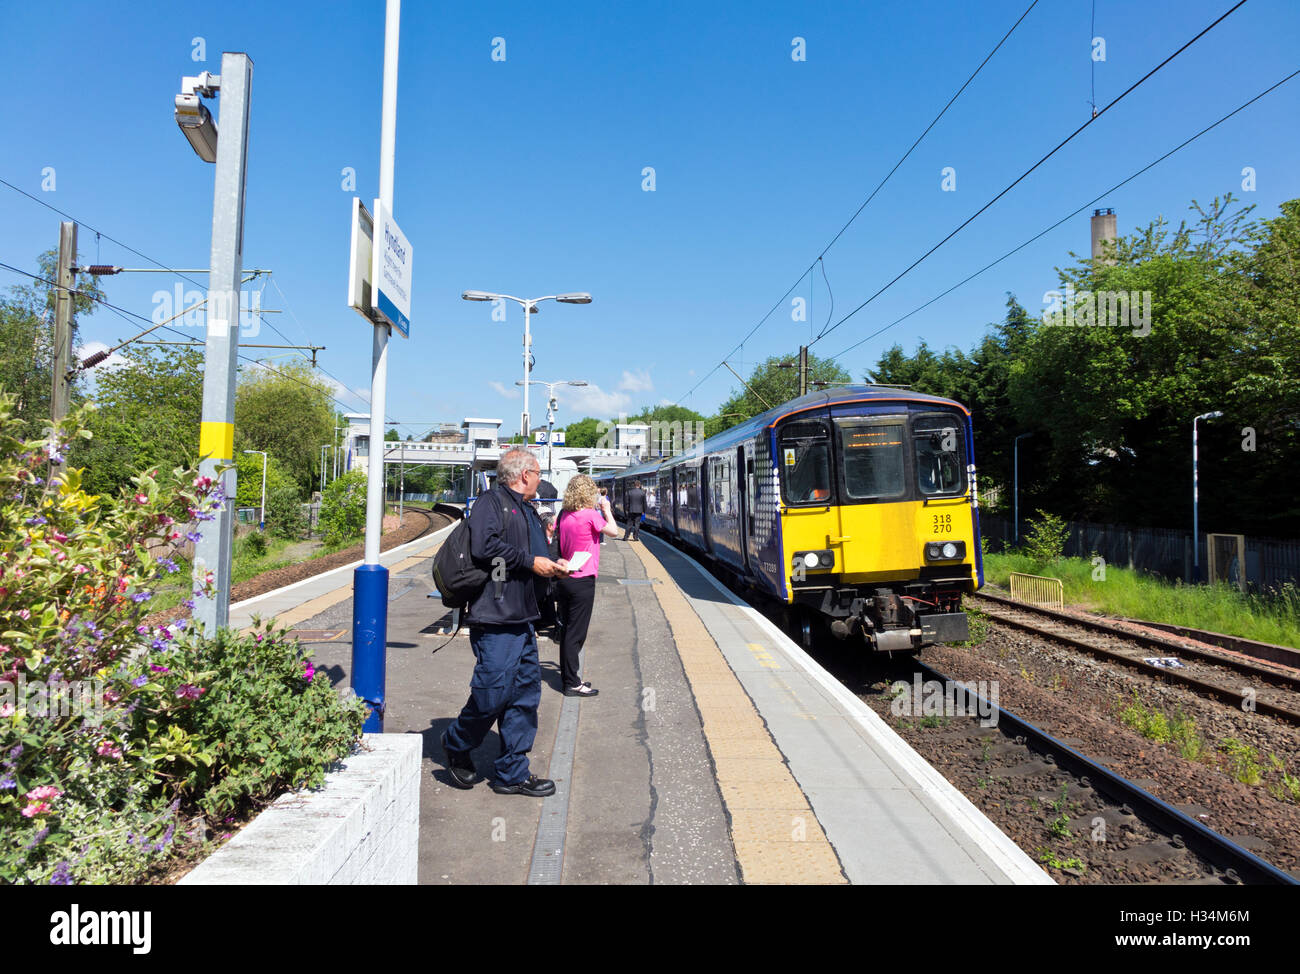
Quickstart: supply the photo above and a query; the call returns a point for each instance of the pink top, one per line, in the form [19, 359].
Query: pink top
[580, 531]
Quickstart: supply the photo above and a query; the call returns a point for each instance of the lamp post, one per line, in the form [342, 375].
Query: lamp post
[530, 308]
[225, 145]
[552, 404]
[1196, 535]
[323, 448]
[1015, 488]
[261, 511]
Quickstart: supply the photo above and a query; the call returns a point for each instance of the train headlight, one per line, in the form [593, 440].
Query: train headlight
[810, 560]
[945, 550]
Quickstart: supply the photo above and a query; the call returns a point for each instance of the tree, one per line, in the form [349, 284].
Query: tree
[393, 436]
[283, 514]
[585, 432]
[26, 342]
[148, 416]
[288, 413]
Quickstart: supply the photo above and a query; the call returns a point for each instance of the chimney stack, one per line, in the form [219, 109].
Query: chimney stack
[1103, 229]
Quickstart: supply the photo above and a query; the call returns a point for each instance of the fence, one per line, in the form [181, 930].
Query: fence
[1037, 590]
[1269, 562]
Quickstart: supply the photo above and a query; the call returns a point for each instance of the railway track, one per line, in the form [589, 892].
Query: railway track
[1124, 800]
[1270, 691]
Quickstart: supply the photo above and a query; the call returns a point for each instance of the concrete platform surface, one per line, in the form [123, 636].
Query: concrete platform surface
[716, 752]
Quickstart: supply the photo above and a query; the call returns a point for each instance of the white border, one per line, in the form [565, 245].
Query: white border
[426, 540]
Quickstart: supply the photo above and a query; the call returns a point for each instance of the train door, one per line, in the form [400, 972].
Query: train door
[745, 507]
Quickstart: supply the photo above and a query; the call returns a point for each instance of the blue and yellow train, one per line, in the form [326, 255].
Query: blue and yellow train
[854, 508]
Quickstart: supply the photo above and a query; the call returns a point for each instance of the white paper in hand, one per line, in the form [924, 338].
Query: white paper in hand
[578, 560]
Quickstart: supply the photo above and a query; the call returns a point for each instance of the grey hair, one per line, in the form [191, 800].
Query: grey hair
[512, 465]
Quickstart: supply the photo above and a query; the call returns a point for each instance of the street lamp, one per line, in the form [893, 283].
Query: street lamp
[1015, 488]
[530, 308]
[552, 404]
[1196, 542]
[261, 511]
[323, 448]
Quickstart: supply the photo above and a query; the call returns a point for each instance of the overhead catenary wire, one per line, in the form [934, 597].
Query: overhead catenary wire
[1010, 186]
[100, 356]
[863, 206]
[1071, 214]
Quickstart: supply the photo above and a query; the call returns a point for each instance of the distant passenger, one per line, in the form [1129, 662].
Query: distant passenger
[635, 510]
[585, 518]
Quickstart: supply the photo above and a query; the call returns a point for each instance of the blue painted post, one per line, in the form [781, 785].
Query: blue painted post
[370, 640]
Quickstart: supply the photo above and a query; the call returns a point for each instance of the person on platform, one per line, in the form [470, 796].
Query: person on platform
[635, 510]
[586, 517]
[507, 537]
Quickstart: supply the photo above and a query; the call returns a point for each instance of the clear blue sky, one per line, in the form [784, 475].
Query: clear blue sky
[525, 175]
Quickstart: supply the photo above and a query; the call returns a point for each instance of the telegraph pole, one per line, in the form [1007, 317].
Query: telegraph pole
[803, 369]
[217, 431]
[66, 279]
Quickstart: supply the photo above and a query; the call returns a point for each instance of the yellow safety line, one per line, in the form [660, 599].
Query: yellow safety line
[774, 831]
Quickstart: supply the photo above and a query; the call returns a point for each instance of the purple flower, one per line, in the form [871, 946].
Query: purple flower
[158, 644]
[62, 874]
[188, 603]
[139, 681]
[7, 783]
[33, 521]
[171, 566]
[38, 838]
[310, 670]
[142, 596]
[159, 669]
[188, 691]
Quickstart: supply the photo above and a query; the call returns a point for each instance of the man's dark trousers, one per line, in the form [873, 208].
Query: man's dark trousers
[506, 689]
[633, 528]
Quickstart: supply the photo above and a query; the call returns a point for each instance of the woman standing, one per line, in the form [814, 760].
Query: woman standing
[581, 526]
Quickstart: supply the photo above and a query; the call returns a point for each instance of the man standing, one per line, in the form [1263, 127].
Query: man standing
[635, 507]
[508, 541]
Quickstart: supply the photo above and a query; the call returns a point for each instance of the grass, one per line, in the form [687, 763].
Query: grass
[1272, 618]
[246, 563]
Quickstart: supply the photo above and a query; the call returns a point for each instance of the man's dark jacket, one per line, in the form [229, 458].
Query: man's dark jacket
[635, 500]
[494, 534]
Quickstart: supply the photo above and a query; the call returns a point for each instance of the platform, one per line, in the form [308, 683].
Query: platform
[717, 751]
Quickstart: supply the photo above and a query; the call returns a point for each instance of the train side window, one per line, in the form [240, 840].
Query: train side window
[805, 456]
[749, 494]
[720, 486]
[872, 452]
[940, 450]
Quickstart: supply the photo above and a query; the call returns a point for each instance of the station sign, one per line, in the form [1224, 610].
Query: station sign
[390, 272]
[363, 232]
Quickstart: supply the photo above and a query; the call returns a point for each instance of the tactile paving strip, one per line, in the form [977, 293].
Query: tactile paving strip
[774, 831]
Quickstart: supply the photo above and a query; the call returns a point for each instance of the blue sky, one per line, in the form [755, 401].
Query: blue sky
[525, 175]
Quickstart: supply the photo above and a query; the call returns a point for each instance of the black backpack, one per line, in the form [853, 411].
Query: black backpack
[459, 580]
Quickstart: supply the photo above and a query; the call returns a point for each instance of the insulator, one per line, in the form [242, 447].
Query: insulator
[92, 360]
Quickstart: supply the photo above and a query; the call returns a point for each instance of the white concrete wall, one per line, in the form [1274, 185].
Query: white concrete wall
[363, 826]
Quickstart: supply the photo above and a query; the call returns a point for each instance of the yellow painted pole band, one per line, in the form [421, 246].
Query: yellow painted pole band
[217, 441]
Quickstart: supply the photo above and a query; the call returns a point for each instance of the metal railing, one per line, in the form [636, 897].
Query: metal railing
[1038, 590]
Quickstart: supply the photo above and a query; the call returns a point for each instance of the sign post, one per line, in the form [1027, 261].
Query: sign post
[390, 296]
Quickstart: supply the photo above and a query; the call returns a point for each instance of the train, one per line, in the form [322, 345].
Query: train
[853, 509]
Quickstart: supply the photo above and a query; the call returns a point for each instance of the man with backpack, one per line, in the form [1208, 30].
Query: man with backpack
[507, 542]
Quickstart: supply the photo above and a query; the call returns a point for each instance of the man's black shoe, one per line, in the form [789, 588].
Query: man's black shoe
[532, 786]
[461, 769]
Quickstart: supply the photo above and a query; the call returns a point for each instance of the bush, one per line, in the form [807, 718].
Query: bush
[343, 509]
[284, 517]
[255, 544]
[1046, 537]
[112, 732]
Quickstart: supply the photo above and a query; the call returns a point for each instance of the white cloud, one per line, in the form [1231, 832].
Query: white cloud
[638, 381]
[503, 390]
[592, 400]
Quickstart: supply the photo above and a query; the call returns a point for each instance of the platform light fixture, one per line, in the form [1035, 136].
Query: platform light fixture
[193, 116]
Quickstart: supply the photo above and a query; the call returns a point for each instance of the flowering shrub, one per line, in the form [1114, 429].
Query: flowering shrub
[112, 733]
